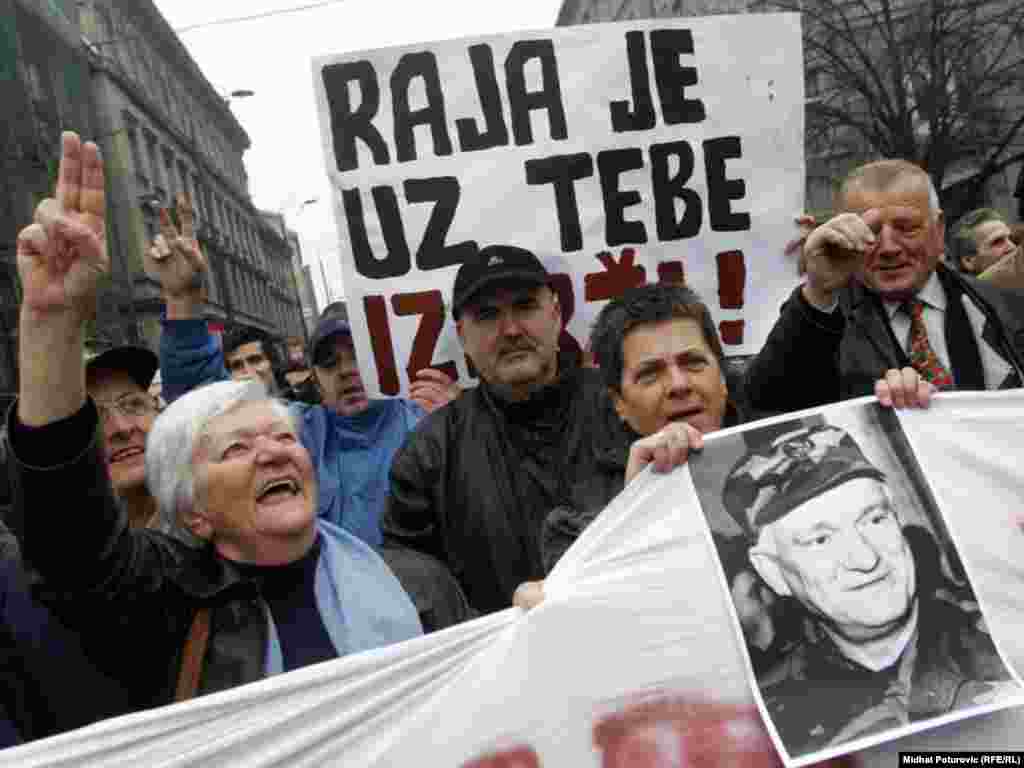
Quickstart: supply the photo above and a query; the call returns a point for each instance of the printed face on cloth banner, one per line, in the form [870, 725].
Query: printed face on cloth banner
[616, 153]
[858, 617]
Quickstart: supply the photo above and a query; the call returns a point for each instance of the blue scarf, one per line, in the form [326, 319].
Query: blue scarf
[360, 601]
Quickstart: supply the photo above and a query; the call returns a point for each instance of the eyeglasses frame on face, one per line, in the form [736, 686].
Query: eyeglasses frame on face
[135, 411]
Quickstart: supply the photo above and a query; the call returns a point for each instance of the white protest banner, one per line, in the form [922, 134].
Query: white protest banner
[617, 153]
[636, 627]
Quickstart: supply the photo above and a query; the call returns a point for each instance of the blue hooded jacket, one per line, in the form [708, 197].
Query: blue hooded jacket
[351, 454]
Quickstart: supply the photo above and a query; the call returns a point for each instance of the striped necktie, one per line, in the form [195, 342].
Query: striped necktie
[922, 356]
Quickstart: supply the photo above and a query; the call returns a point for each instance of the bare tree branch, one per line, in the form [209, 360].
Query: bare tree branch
[940, 82]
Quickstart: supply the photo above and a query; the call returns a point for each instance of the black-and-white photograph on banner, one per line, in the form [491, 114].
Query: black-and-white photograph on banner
[860, 621]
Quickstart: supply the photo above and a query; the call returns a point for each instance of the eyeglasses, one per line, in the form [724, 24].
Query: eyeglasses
[129, 406]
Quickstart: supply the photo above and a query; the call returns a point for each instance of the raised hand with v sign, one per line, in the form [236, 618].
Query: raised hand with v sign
[177, 262]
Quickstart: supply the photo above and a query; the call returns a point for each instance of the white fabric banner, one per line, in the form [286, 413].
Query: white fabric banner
[636, 606]
[617, 153]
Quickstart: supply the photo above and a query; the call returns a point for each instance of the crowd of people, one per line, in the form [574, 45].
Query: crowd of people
[242, 524]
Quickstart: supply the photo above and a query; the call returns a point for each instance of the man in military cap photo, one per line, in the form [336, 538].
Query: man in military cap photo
[884, 642]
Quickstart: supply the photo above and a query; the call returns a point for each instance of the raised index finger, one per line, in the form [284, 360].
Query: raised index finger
[93, 200]
[69, 177]
[186, 215]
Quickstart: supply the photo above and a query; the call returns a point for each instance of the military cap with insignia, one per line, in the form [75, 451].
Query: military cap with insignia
[775, 478]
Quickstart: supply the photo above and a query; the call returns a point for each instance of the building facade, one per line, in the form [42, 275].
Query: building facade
[167, 130]
[285, 292]
[116, 72]
[307, 295]
[831, 152]
[44, 87]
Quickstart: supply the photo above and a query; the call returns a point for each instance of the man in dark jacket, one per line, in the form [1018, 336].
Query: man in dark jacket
[473, 484]
[263, 587]
[877, 299]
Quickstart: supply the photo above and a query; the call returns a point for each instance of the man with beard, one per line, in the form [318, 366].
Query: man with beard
[880, 646]
[474, 484]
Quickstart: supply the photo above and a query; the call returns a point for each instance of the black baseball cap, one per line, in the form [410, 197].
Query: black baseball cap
[138, 362]
[321, 353]
[493, 264]
[771, 481]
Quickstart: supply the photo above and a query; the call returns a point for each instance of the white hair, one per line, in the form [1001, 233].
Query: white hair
[172, 442]
[882, 175]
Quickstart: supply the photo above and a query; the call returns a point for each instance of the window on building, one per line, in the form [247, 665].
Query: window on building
[186, 178]
[131, 130]
[159, 187]
[222, 223]
[173, 186]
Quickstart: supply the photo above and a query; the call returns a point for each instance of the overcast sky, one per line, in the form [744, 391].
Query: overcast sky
[272, 57]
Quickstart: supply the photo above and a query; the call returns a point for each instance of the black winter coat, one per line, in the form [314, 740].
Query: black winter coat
[132, 595]
[473, 484]
[812, 358]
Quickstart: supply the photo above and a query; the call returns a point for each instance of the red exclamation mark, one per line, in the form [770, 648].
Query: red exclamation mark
[732, 279]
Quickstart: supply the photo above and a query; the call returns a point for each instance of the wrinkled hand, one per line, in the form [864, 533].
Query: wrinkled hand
[432, 389]
[62, 256]
[666, 449]
[833, 251]
[175, 259]
[528, 595]
[903, 389]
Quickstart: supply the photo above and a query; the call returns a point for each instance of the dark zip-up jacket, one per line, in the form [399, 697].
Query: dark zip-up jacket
[813, 358]
[473, 484]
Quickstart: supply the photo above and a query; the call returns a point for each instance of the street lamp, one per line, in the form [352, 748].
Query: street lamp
[241, 93]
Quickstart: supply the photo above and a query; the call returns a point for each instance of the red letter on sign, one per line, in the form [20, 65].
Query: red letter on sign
[616, 279]
[380, 339]
[431, 306]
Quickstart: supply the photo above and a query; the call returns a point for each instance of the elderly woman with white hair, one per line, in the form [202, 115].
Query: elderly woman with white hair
[247, 582]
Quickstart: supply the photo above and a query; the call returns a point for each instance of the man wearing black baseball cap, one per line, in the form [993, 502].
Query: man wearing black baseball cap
[118, 381]
[472, 485]
[885, 640]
